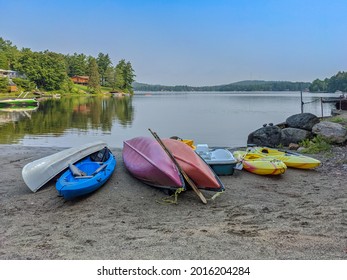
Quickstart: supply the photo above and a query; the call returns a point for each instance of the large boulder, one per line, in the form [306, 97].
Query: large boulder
[266, 136]
[303, 121]
[333, 132]
[293, 135]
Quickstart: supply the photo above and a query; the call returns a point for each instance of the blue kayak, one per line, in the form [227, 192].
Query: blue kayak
[87, 175]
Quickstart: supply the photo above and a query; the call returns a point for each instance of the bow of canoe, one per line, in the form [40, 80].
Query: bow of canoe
[146, 160]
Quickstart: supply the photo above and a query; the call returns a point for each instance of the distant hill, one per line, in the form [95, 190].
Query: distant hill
[248, 85]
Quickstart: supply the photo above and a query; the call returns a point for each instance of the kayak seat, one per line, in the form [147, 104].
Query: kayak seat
[102, 167]
[76, 171]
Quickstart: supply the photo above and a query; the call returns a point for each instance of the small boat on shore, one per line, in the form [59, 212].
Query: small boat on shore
[220, 160]
[146, 160]
[37, 173]
[87, 175]
[9, 102]
[290, 159]
[194, 166]
[257, 164]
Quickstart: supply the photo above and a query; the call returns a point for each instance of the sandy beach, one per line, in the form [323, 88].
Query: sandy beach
[298, 215]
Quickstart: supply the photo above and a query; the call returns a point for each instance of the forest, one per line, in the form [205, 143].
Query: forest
[335, 83]
[238, 86]
[52, 71]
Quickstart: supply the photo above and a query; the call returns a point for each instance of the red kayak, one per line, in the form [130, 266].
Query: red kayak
[195, 167]
[146, 160]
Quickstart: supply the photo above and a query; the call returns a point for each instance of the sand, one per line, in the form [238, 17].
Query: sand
[298, 215]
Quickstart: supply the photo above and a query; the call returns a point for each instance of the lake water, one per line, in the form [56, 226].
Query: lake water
[217, 119]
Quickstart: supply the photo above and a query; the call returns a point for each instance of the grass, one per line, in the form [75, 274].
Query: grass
[337, 119]
[316, 145]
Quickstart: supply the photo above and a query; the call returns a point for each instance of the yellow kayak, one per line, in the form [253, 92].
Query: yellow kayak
[260, 165]
[294, 160]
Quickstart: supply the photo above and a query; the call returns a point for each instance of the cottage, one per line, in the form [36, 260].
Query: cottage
[12, 86]
[9, 73]
[81, 80]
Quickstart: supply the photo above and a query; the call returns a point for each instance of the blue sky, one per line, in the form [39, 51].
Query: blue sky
[190, 42]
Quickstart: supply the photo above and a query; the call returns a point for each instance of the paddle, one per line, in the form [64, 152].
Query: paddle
[190, 182]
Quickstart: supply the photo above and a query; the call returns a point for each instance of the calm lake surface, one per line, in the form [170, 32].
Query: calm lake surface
[217, 119]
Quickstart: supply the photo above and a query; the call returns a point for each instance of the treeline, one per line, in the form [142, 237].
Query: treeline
[238, 86]
[335, 83]
[53, 71]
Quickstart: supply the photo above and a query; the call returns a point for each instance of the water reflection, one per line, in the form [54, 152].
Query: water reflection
[55, 116]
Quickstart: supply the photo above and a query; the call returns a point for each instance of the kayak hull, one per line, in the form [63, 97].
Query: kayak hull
[194, 166]
[146, 160]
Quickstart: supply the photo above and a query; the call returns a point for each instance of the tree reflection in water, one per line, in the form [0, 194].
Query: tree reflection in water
[56, 116]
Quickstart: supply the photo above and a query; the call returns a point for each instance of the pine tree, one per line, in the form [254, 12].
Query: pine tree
[94, 77]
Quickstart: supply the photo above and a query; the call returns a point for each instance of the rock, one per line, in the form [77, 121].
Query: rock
[303, 121]
[300, 149]
[293, 146]
[293, 135]
[335, 133]
[265, 136]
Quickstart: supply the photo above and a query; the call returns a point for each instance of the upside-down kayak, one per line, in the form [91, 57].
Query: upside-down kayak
[146, 160]
[37, 173]
[194, 166]
[290, 159]
[87, 175]
[260, 165]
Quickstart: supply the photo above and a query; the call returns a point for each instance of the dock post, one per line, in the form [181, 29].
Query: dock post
[302, 103]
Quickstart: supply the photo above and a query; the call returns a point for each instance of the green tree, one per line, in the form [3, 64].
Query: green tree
[120, 80]
[110, 77]
[94, 77]
[124, 74]
[11, 53]
[129, 76]
[104, 62]
[3, 60]
[3, 84]
[77, 65]
[46, 69]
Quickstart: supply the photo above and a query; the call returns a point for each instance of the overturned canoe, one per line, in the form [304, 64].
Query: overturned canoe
[146, 160]
[192, 164]
[259, 165]
[290, 159]
[87, 175]
[37, 173]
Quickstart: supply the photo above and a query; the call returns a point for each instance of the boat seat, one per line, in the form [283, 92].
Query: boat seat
[76, 171]
[102, 167]
[84, 177]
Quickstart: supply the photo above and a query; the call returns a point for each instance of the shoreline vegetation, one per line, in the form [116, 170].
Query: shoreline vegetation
[52, 73]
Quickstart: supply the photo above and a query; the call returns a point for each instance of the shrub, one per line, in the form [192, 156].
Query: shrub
[315, 145]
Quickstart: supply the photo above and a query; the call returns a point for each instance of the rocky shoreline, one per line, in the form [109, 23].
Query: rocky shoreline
[298, 128]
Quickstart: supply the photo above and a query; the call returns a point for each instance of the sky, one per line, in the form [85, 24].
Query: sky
[190, 42]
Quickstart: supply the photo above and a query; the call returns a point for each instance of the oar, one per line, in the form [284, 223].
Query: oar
[190, 182]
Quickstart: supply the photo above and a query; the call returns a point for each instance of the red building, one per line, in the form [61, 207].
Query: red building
[81, 80]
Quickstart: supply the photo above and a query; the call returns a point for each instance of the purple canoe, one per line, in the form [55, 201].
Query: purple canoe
[146, 160]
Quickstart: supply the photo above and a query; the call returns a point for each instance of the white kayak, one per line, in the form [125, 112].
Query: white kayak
[37, 173]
